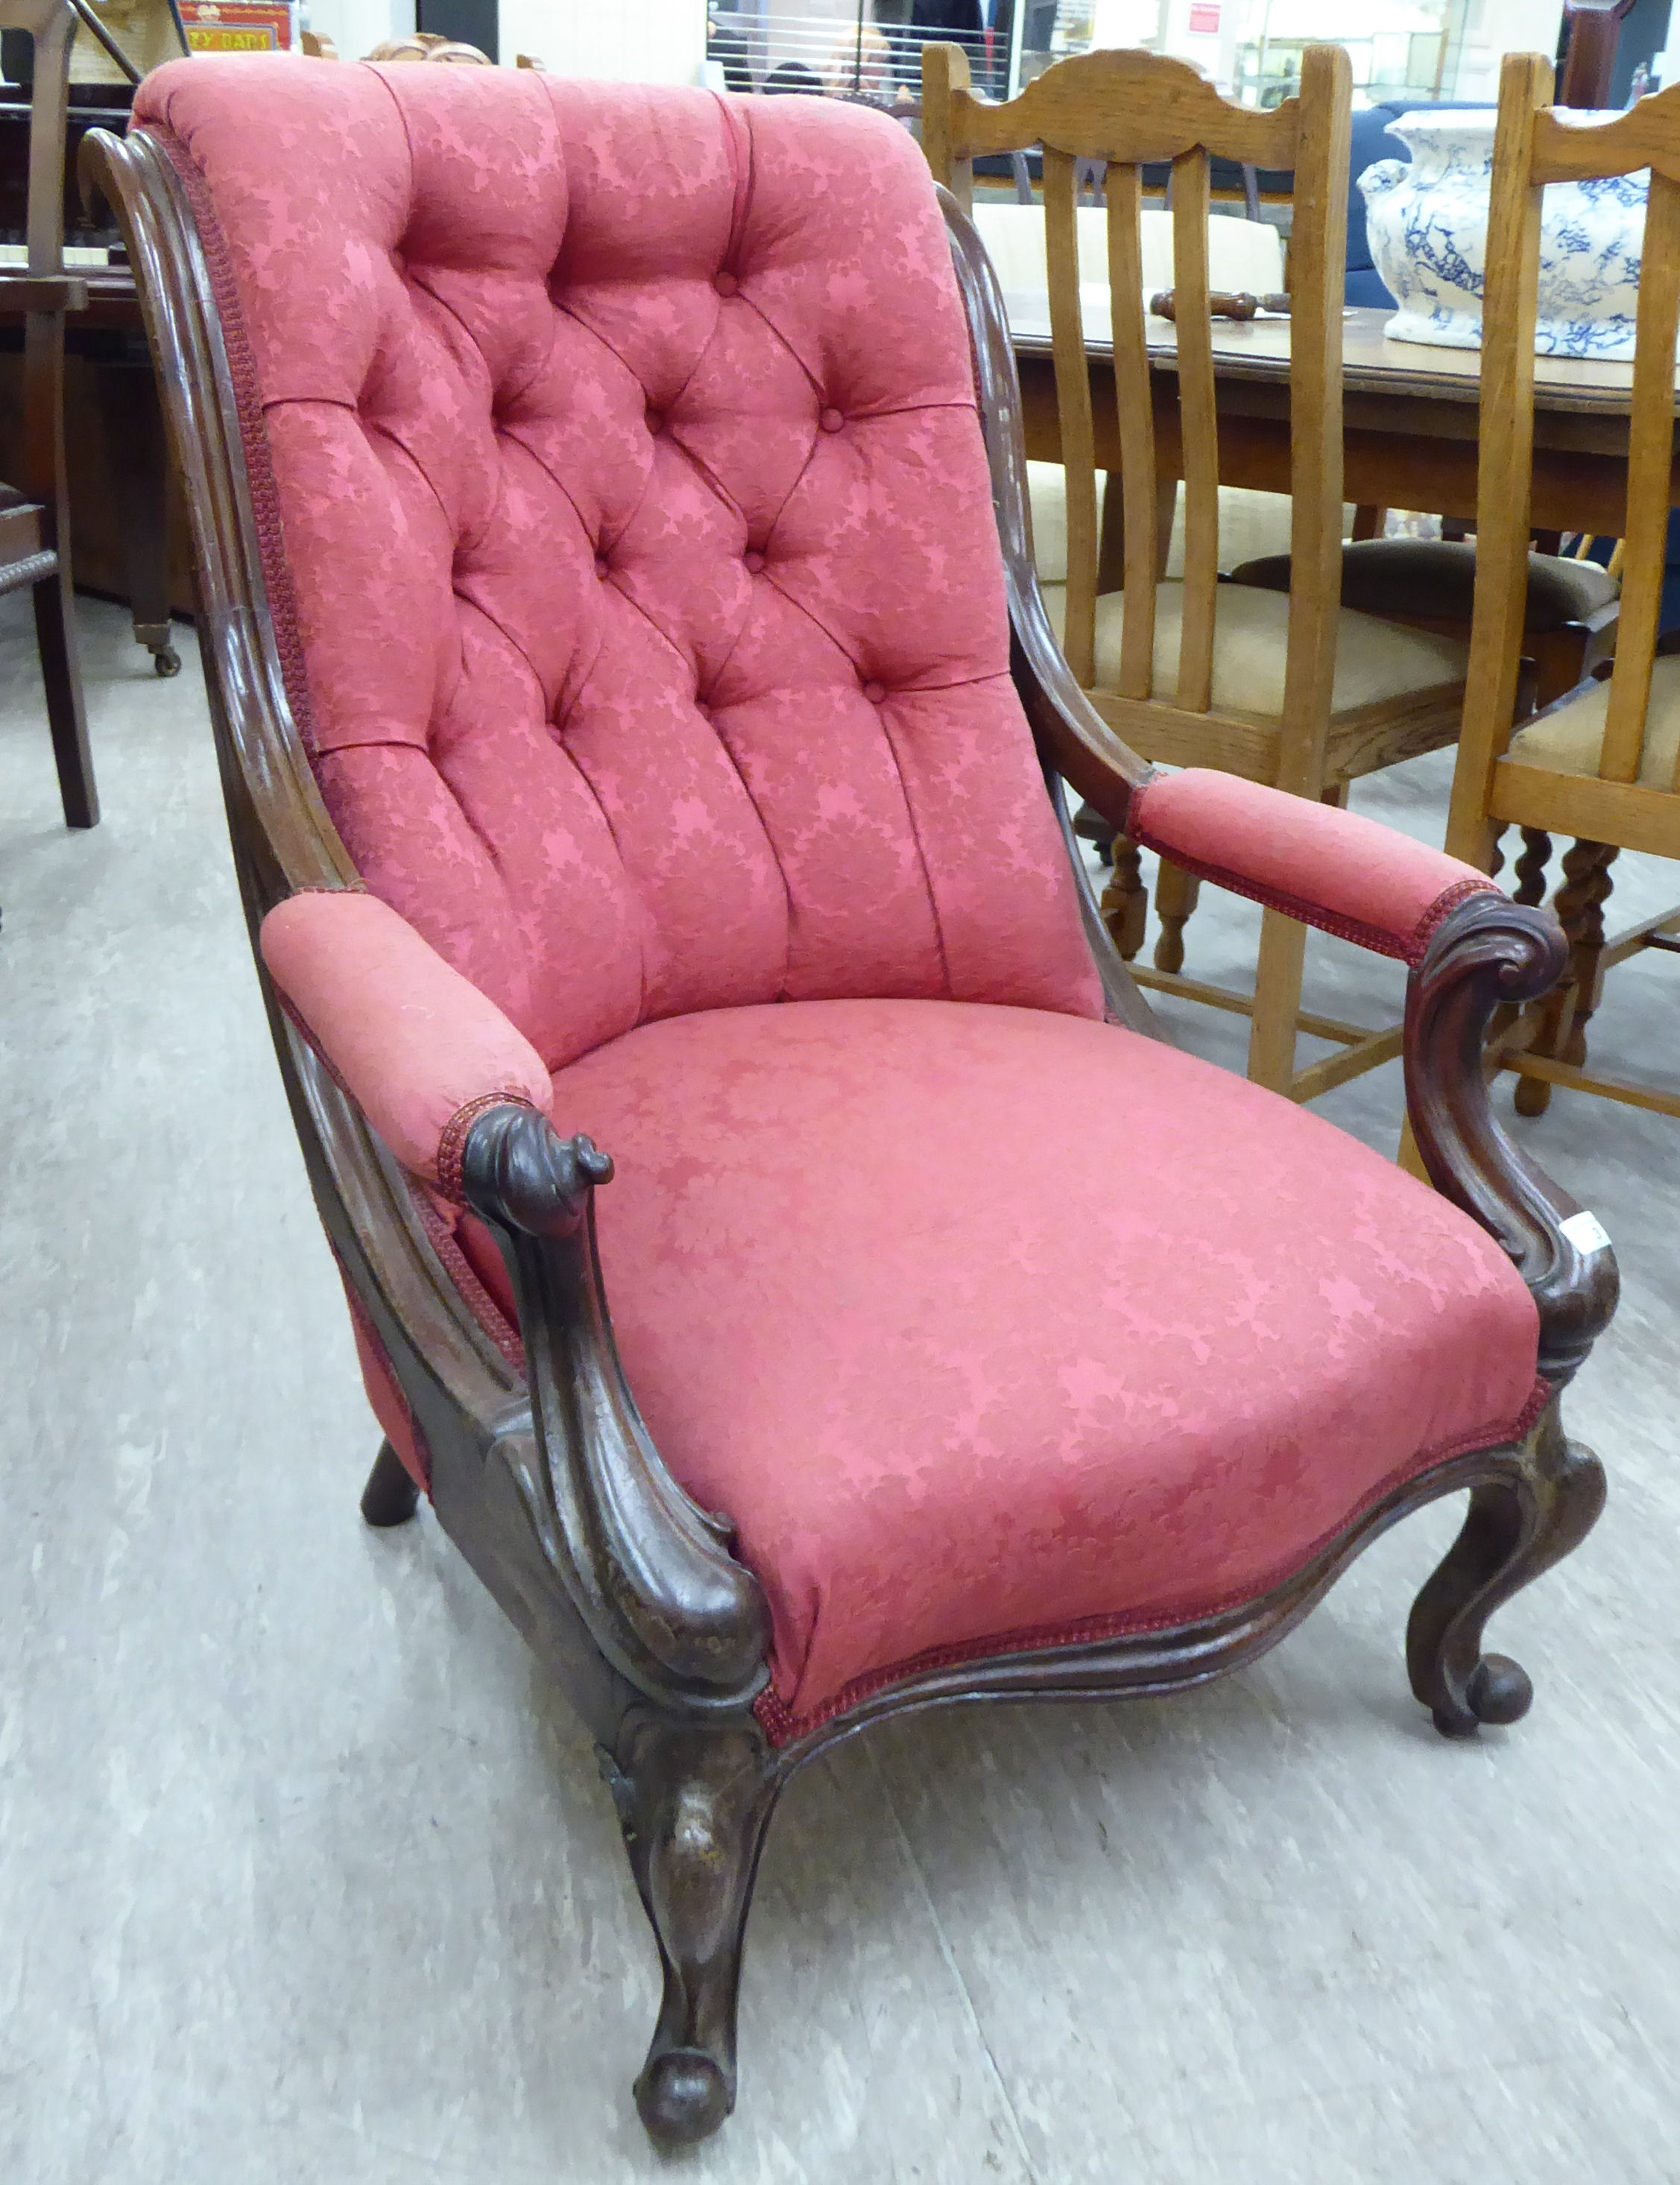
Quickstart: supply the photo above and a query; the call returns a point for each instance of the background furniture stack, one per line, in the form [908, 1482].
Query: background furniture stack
[34, 517]
[125, 541]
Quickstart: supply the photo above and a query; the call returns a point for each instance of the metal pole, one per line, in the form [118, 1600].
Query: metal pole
[1017, 31]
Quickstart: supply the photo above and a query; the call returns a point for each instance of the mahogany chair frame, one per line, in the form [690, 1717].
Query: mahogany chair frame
[549, 1482]
[1135, 109]
[35, 529]
[1538, 143]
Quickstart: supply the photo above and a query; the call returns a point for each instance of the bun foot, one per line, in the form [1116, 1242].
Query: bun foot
[1499, 1691]
[682, 2097]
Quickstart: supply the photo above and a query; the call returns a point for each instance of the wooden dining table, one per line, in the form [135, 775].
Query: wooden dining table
[1411, 415]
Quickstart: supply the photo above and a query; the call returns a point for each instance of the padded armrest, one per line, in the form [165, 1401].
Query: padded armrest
[1326, 867]
[414, 1044]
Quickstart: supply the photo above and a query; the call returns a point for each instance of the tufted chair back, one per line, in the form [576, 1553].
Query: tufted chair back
[629, 535]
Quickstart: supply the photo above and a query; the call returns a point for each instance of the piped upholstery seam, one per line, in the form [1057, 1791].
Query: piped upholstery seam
[452, 1138]
[782, 1725]
[482, 1306]
[250, 411]
[1407, 948]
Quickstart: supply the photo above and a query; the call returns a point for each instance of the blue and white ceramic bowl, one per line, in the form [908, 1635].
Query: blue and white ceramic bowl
[1428, 227]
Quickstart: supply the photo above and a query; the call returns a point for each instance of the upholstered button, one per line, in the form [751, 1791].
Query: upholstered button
[602, 566]
[725, 284]
[831, 421]
[656, 423]
[754, 563]
[875, 692]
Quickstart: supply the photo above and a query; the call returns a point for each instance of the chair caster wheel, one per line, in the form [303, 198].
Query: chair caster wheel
[166, 662]
[682, 2097]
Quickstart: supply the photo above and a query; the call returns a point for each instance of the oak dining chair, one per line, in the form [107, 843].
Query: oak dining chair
[1603, 762]
[1293, 691]
[1243, 255]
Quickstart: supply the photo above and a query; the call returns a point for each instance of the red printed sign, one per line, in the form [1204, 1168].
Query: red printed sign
[239, 26]
[1204, 18]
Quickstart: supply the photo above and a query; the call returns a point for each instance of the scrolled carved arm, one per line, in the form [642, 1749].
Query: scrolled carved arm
[1489, 953]
[649, 1572]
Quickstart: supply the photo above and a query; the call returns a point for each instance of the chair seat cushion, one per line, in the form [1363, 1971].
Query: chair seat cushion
[1569, 738]
[990, 1328]
[1435, 579]
[1250, 523]
[1375, 661]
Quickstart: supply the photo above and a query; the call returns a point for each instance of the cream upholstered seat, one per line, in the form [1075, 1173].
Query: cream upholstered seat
[1570, 738]
[1249, 523]
[1375, 661]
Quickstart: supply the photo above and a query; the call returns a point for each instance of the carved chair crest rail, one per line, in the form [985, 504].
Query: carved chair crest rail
[947, 1083]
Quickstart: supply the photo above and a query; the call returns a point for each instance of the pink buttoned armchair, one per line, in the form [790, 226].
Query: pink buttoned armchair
[636, 708]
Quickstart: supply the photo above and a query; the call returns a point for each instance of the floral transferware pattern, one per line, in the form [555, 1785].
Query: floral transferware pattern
[1428, 225]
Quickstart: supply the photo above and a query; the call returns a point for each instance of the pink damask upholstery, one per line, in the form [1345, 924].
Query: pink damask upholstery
[1333, 868]
[624, 445]
[992, 1326]
[629, 534]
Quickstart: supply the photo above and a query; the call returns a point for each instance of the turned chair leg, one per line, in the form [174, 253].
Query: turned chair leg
[1531, 889]
[391, 1496]
[1515, 1528]
[1175, 899]
[694, 1803]
[1125, 900]
[1277, 1002]
[1580, 906]
[1531, 867]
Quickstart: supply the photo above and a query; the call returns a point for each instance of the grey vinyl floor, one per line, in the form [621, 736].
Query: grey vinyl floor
[306, 1873]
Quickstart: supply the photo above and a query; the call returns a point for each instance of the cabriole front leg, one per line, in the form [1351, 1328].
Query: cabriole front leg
[694, 1802]
[1516, 1528]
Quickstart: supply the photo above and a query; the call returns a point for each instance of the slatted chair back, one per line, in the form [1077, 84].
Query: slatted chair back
[1627, 791]
[1132, 109]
